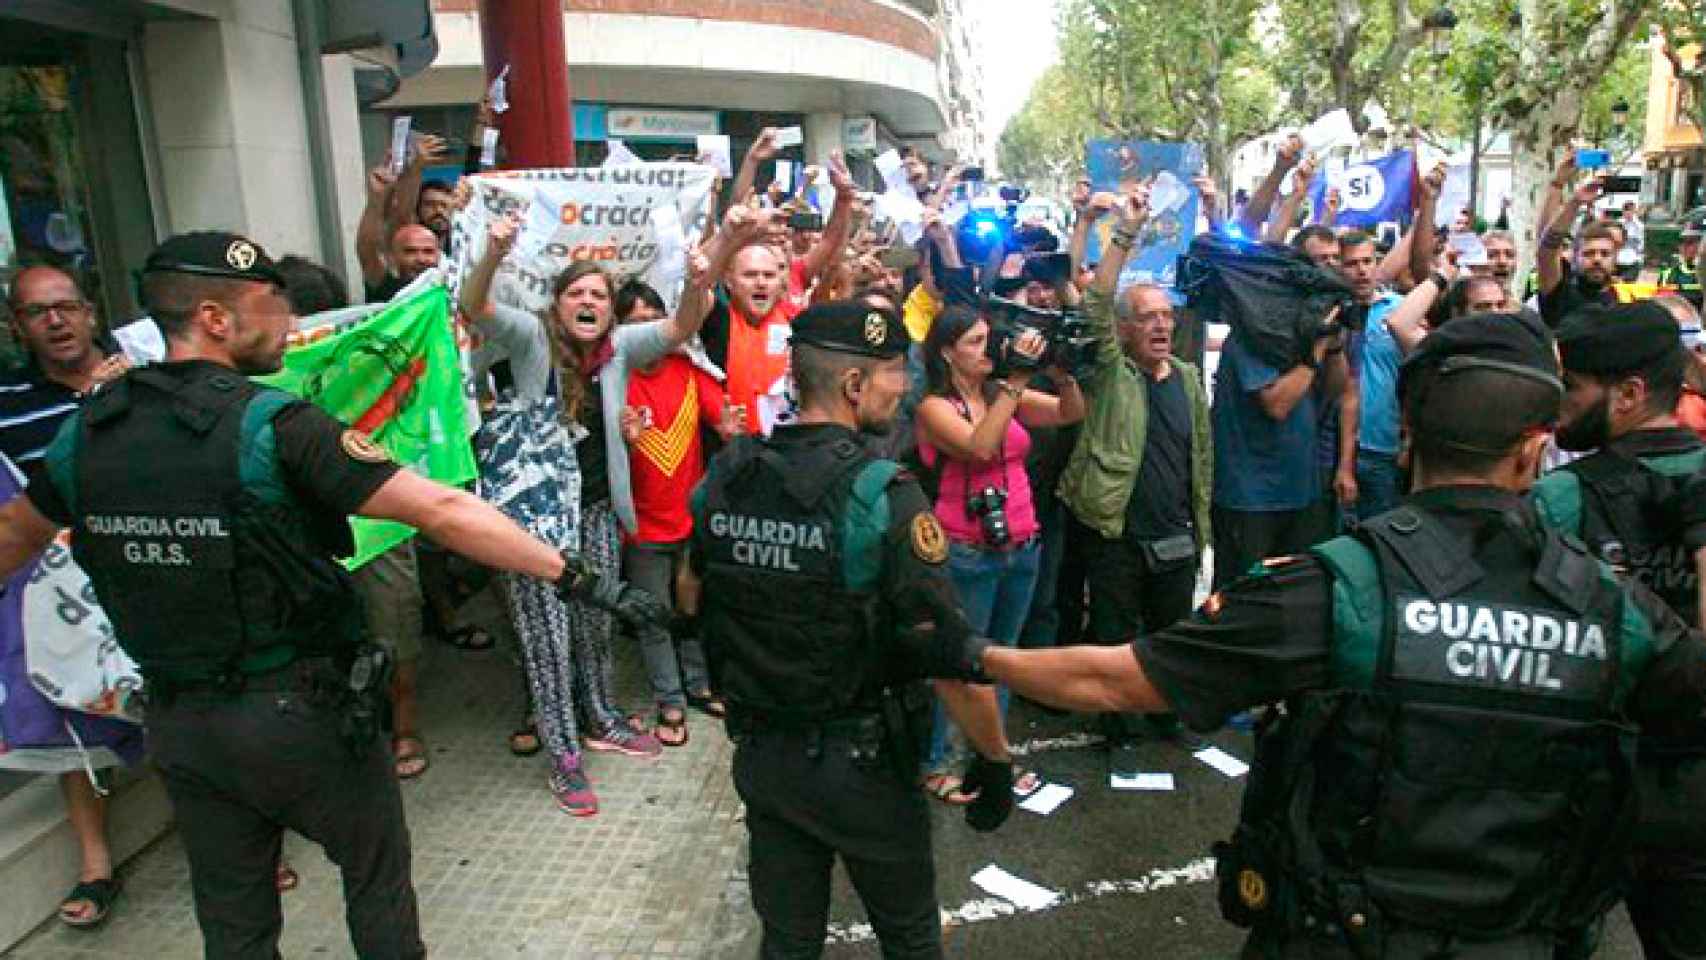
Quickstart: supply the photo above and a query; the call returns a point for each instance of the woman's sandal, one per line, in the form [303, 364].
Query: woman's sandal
[524, 741]
[672, 724]
[285, 878]
[410, 763]
[470, 639]
[946, 788]
[99, 894]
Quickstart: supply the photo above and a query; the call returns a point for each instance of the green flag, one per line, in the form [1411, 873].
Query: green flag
[394, 375]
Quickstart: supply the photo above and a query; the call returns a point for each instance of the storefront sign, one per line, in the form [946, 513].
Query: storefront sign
[628, 124]
[859, 134]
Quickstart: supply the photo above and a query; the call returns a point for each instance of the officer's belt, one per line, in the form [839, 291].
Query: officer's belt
[259, 666]
[843, 725]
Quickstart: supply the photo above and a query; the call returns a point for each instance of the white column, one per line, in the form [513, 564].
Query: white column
[226, 98]
[823, 134]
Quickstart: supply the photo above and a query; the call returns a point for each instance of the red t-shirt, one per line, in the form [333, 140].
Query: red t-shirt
[668, 460]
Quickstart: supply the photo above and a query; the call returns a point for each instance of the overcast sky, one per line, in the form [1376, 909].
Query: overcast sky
[1018, 44]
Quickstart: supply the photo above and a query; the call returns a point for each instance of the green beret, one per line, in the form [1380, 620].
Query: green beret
[852, 326]
[1617, 339]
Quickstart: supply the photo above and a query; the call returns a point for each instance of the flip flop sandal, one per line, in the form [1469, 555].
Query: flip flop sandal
[1026, 782]
[670, 727]
[524, 742]
[285, 878]
[946, 788]
[708, 703]
[405, 760]
[99, 893]
[471, 639]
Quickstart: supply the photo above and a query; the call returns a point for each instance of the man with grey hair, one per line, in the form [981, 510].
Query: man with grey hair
[1138, 482]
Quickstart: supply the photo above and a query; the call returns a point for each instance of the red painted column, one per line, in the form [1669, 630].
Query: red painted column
[527, 36]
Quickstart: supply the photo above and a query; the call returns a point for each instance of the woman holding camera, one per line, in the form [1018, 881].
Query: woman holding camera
[972, 438]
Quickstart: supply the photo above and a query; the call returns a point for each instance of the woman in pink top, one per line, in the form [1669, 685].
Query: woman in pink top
[971, 435]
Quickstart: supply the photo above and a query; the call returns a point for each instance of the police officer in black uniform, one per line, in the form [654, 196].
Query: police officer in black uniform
[1631, 501]
[1450, 772]
[207, 511]
[813, 557]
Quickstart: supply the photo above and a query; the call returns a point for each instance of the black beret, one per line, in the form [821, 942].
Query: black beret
[1617, 338]
[852, 326]
[214, 253]
[1497, 341]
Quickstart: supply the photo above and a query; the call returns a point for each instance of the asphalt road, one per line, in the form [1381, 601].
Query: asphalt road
[1134, 866]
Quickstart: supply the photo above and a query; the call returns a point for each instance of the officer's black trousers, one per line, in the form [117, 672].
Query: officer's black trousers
[801, 812]
[1667, 903]
[240, 770]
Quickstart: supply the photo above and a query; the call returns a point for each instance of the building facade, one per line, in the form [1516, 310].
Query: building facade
[856, 75]
[125, 121]
[1675, 150]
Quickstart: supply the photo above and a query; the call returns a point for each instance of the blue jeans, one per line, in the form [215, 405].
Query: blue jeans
[994, 588]
[1377, 483]
[1042, 623]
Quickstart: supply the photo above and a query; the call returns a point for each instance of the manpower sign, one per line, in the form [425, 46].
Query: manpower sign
[627, 124]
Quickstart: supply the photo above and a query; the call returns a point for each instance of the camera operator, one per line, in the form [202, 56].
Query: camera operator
[970, 435]
[1138, 480]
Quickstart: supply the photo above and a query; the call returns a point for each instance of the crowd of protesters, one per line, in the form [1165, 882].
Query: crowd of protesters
[1080, 494]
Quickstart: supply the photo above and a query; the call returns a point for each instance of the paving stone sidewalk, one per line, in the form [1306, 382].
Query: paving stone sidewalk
[659, 872]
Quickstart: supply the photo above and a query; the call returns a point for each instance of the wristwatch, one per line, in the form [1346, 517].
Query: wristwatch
[1440, 281]
[1017, 393]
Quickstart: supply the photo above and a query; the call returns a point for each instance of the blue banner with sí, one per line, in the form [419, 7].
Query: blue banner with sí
[1117, 166]
[1371, 192]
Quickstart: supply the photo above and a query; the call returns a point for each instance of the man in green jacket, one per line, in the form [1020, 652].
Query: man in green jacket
[1140, 477]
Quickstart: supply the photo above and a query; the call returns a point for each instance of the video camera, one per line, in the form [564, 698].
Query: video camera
[1067, 340]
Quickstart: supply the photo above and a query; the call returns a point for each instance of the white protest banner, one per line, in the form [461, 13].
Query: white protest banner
[606, 215]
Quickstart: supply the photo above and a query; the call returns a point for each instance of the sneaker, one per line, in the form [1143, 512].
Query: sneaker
[625, 740]
[571, 787]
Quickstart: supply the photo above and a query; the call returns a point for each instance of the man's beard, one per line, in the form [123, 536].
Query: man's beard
[1590, 431]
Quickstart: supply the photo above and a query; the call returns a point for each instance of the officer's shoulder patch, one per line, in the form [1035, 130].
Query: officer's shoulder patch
[929, 540]
[357, 445]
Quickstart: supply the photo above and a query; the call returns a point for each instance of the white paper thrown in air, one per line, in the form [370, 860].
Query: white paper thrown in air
[1331, 128]
[620, 155]
[714, 147]
[785, 175]
[1167, 194]
[1022, 893]
[892, 169]
[1224, 762]
[399, 144]
[499, 91]
[1047, 799]
[1141, 781]
[790, 137]
[489, 147]
[1453, 194]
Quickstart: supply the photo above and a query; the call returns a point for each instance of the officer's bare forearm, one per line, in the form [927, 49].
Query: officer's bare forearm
[975, 709]
[1087, 678]
[24, 532]
[460, 521]
[1700, 591]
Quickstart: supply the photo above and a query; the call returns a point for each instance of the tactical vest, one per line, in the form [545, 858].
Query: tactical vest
[1627, 516]
[1467, 773]
[793, 557]
[205, 563]
[1681, 275]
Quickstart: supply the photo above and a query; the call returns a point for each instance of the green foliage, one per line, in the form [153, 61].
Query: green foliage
[1044, 142]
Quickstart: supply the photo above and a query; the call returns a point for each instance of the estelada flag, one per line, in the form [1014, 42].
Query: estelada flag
[391, 371]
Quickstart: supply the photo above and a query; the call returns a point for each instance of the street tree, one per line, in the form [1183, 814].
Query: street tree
[1681, 33]
[1347, 53]
[1148, 69]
